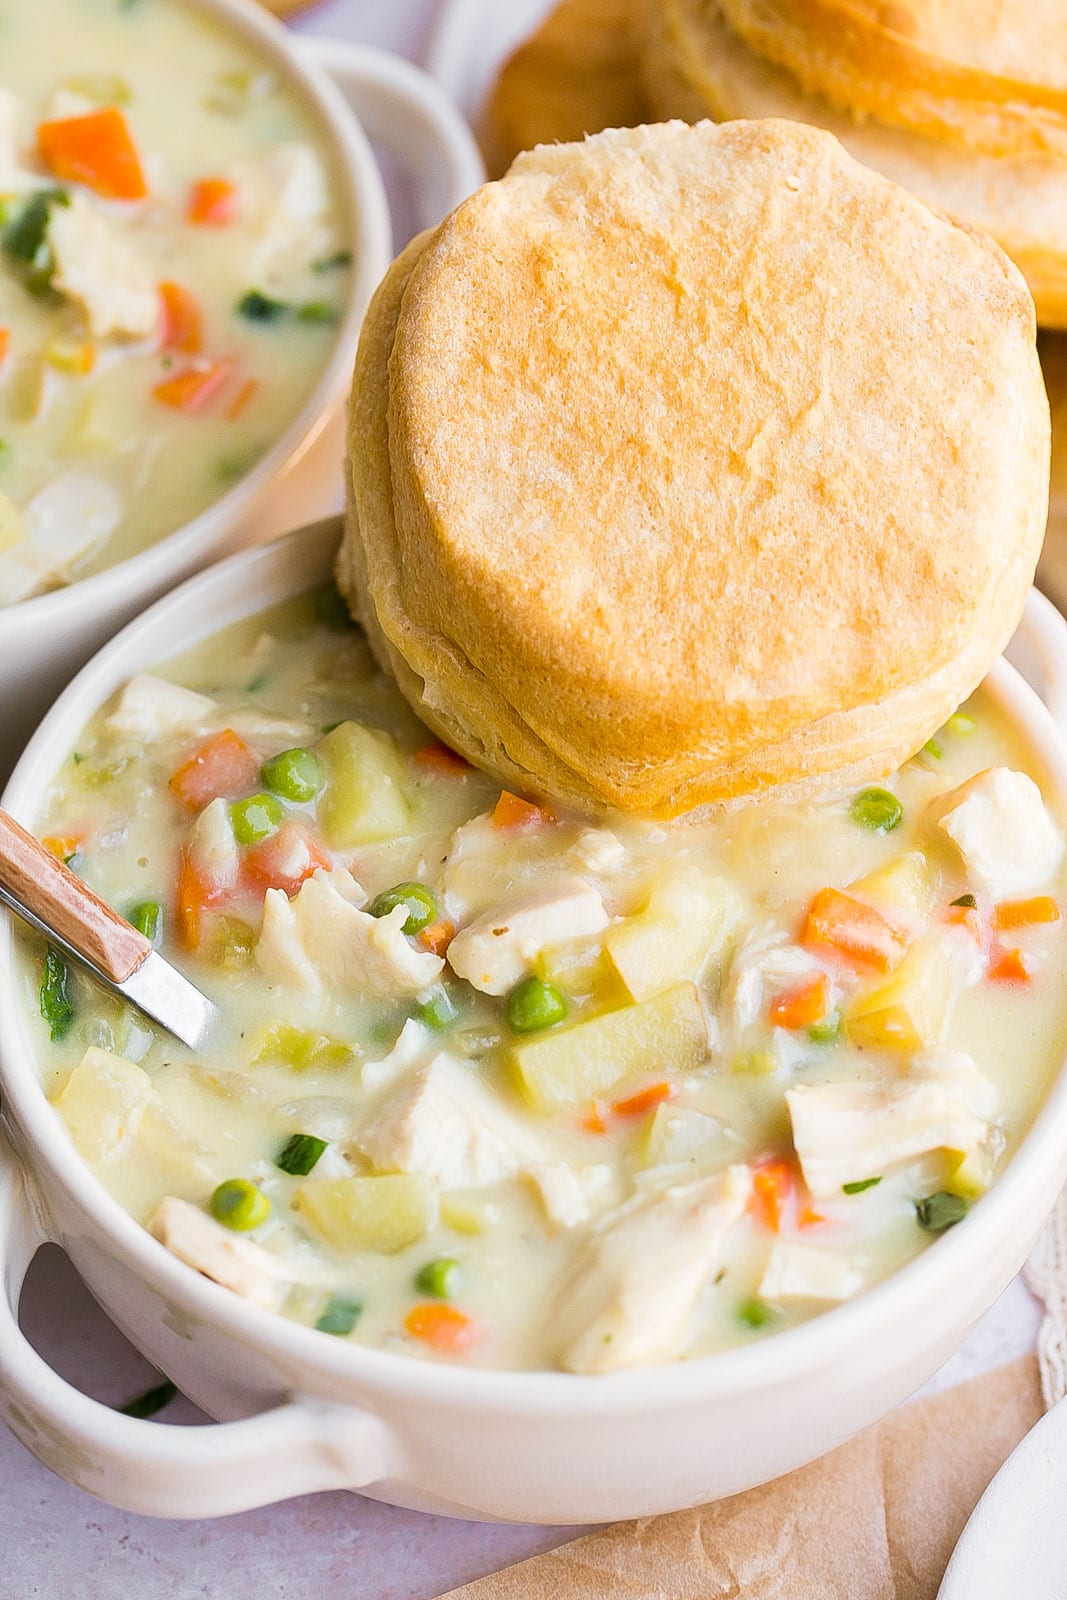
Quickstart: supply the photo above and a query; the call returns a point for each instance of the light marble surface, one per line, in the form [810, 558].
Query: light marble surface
[58, 1544]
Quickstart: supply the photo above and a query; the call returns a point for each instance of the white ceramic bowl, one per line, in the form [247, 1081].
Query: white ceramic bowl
[353, 92]
[327, 1413]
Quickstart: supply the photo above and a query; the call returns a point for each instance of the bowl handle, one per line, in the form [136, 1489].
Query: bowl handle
[146, 1467]
[1039, 650]
[402, 107]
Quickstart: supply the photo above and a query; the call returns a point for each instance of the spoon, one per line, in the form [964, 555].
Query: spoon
[47, 895]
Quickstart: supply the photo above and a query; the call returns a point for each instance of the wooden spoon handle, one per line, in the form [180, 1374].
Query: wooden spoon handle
[34, 877]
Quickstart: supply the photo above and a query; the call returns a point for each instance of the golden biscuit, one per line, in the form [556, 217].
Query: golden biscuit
[989, 75]
[695, 66]
[689, 463]
[576, 75]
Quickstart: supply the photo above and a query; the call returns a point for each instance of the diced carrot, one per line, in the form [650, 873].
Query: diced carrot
[809, 1217]
[193, 387]
[853, 930]
[645, 1100]
[288, 858]
[439, 758]
[1009, 966]
[243, 398]
[190, 901]
[222, 765]
[1025, 913]
[437, 936]
[512, 812]
[61, 845]
[95, 149]
[803, 1005]
[5, 343]
[593, 1122]
[212, 203]
[773, 1182]
[182, 324]
[442, 1327]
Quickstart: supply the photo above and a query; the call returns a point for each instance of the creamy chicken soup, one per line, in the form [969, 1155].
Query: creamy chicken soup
[173, 261]
[498, 1086]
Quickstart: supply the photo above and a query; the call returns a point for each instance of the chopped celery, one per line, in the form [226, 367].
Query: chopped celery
[365, 798]
[301, 1048]
[941, 1210]
[147, 918]
[340, 1316]
[440, 1278]
[572, 1067]
[56, 1007]
[379, 1213]
[759, 1062]
[300, 1154]
[232, 943]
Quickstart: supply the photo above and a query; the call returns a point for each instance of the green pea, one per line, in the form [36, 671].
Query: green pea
[147, 918]
[421, 905]
[340, 1316]
[239, 1205]
[860, 1185]
[940, 1211]
[877, 809]
[534, 1005]
[256, 818]
[294, 774]
[826, 1031]
[440, 1278]
[753, 1313]
[437, 1009]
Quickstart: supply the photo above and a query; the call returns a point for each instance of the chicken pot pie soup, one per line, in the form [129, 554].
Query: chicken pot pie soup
[498, 1087]
[173, 259]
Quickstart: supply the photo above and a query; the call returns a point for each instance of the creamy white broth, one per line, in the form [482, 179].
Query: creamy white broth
[204, 1118]
[199, 104]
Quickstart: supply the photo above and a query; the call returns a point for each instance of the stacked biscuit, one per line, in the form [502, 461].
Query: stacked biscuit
[694, 462]
[963, 101]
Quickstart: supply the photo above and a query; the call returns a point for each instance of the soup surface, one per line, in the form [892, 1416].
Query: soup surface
[173, 260]
[498, 1086]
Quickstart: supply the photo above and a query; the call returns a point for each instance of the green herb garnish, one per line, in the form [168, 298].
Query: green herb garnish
[860, 1185]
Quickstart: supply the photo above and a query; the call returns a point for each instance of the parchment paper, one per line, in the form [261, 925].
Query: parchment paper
[876, 1520]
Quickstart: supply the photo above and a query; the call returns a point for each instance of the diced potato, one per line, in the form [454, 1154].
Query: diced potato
[12, 527]
[577, 966]
[907, 883]
[911, 1009]
[687, 920]
[676, 1134]
[365, 797]
[102, 1103]
[974, 1172]
[385, 1213]
[575, 1065]
[468, 1213]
